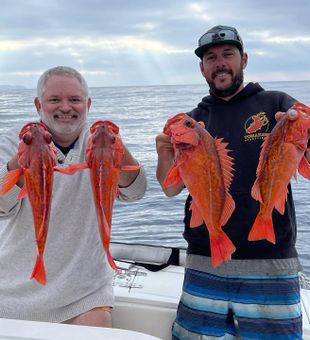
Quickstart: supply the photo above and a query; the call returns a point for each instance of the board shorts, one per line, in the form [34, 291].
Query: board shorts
[238, 307]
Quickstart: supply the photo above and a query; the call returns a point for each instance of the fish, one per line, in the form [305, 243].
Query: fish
[104, 157]
[202, 163]
[36, 156]
[282, 155]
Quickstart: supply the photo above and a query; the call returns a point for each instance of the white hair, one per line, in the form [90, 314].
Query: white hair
[60, 70]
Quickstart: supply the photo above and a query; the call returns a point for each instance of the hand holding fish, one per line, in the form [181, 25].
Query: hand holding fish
[34, 166]
[203, 164]
[282, 155]
[13, 165]
[106, 159]
[280, 115]
[165, 152]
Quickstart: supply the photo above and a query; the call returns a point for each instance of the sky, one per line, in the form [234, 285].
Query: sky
[150, 42]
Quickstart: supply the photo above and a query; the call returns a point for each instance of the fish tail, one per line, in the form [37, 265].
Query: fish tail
[221, 248]
[39, 270]
[110, 260]
[262, 229]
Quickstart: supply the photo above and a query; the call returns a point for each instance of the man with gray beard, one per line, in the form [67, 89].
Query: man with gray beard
[79, 279]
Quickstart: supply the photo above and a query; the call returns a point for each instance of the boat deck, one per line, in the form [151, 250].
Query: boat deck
[144, 300]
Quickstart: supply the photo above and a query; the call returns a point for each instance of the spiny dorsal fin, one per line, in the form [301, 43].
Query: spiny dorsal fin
[226, 162]
[263, 152]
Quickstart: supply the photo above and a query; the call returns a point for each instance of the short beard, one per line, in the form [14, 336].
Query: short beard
[237, 81]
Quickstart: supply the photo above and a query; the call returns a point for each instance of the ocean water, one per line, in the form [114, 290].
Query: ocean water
[141, 113]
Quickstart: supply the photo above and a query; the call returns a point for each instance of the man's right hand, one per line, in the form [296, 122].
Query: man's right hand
[13, 165]
[165, 161]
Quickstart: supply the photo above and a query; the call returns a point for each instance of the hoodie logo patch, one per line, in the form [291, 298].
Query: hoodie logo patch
[256, 127]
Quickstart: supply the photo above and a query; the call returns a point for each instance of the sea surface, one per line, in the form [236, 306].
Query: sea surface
[141, 113]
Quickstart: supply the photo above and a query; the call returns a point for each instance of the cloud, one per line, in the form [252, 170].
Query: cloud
[147, 42]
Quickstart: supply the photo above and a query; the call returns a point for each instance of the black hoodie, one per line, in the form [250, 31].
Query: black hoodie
[242, 122]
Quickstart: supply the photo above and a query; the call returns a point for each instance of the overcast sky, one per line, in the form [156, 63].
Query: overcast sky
[150, 42]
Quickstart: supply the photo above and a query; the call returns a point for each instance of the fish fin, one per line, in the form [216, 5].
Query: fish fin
[263, 152]
[262, 229]
[280, 202]
[229, 207]
[22, 193]
[173, 177]
[130, 167]
[196, 219]
[221, 248]
[226, 163]
[39, 271]
[72, 168]
[304, 168]
[256, 193]
[225, 160]
[10, 179]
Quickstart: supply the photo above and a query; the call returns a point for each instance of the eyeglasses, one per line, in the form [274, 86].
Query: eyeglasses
[211, 37]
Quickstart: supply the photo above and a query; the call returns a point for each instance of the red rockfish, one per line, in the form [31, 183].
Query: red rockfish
[104, 157]
[37, 158]
[282, 154]
[203, 164]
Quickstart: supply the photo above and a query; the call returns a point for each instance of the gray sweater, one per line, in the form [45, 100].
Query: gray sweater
[78, 275]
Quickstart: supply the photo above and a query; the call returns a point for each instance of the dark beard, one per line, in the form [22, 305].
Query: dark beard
[237, 81]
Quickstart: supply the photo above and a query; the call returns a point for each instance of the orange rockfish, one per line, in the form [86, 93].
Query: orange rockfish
[37, 158]
[104, 157]
[203, 164]
[282, 154]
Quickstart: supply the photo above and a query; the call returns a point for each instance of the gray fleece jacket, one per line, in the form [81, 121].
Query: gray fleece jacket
[78, 275]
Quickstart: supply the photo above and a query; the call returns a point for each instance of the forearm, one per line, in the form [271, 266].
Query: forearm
[165, 162]
[135, 190]
[127, 177]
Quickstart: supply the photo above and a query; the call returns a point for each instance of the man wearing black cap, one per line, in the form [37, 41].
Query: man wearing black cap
[224, 82]
[256, 295]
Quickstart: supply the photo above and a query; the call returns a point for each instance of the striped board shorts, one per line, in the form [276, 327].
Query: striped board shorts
[238, 307]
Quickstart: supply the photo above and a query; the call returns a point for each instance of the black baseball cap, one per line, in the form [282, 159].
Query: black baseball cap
[218, 35]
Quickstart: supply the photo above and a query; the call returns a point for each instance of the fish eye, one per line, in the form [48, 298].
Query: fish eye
[27, 138]
[292, 114]
[188, 123]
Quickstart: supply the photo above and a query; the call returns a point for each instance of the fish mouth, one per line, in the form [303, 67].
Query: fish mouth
[183, 146]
